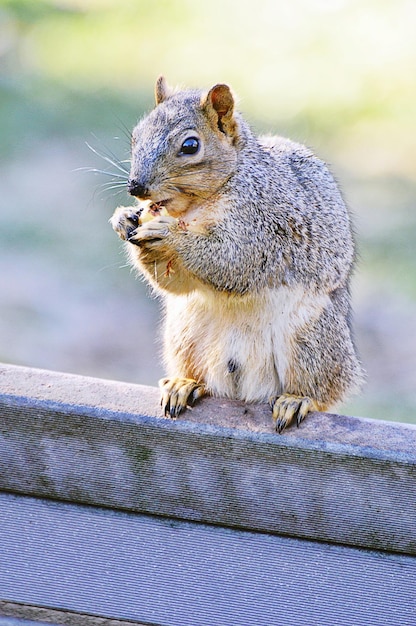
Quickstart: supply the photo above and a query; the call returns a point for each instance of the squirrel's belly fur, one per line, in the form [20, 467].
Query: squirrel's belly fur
[240, 347]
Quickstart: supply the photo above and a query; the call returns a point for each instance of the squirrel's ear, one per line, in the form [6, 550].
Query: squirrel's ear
[219, 107]
[162, 90]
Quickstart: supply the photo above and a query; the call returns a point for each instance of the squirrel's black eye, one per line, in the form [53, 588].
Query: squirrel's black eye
[190, 146]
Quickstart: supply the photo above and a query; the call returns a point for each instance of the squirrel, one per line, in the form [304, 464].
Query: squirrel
[251, 247]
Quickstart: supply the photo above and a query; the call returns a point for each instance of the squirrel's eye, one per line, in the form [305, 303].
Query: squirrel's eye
[190, 146]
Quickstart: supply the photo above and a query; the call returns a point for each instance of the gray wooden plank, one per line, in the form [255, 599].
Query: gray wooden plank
[337, 478]
[15, 614]
[171, 573]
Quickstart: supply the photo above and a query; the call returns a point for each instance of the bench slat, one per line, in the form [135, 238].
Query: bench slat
[161, 571]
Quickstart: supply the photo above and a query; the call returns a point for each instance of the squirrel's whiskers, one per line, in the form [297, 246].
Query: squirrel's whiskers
[117, 171]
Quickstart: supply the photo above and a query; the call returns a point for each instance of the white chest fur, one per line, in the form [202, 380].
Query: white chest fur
[241, 347]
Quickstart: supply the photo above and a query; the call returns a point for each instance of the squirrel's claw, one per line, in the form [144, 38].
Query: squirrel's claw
[286, 407]
[125, 220]
[127, 223]
[157, 228]
[178, 393]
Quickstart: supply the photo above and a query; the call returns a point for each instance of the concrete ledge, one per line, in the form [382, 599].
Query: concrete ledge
[336, 479]
[14, 614]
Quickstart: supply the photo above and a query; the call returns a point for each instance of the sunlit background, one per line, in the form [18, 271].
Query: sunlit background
[337, 75]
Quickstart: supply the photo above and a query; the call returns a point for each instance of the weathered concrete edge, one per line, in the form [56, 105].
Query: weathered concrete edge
[55, 616]
[306, 483]
[290, 439]
[114, 400]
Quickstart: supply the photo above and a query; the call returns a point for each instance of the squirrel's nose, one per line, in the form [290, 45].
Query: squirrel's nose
[137, 189]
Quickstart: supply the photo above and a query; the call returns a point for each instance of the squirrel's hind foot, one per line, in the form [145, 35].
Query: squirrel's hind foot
[288, 407]
[178, 393]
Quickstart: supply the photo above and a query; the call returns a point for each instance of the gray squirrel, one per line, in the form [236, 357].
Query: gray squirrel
[249, 242]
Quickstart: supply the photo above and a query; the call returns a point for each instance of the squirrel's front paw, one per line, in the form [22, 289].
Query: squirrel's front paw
[288, 407]
[154, 230]
[125, 220]
[178, 393]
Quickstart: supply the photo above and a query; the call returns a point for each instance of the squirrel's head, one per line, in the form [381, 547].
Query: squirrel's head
[185, 150]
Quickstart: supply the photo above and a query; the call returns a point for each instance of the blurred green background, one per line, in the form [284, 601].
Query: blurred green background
[337, 75]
